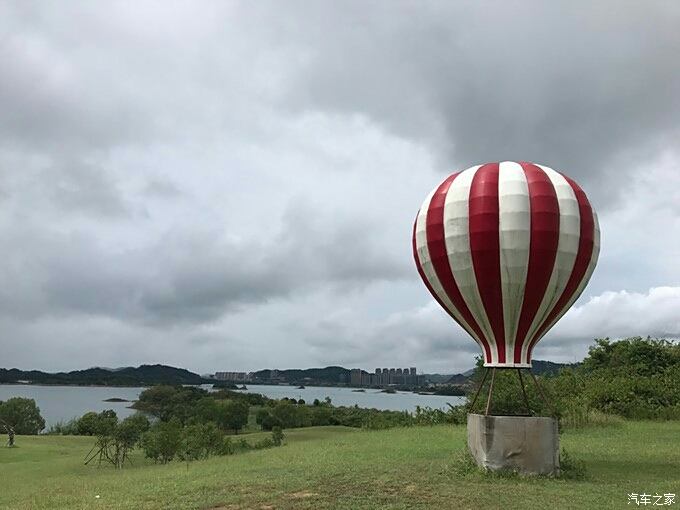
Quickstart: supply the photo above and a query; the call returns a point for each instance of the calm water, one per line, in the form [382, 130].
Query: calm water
[400, 401]
[61, 403]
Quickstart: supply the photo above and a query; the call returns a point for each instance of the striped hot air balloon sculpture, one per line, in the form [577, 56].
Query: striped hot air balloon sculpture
[506, 248]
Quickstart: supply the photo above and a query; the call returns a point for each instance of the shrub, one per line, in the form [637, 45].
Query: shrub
[64, 428]
[571, 468]
[277, 436]
[267, 442]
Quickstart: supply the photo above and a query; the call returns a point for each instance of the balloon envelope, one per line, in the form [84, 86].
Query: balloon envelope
[506, 248]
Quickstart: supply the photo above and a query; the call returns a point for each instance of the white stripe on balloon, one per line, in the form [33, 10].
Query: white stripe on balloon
[514, 232]
[457, 237]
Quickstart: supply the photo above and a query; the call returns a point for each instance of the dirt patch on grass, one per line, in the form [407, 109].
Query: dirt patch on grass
[303, 495]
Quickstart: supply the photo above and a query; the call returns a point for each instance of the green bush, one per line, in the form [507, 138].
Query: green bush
[64, 428]
[277, 436]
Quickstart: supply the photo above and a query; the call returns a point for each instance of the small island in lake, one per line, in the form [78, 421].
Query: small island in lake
[116, 399]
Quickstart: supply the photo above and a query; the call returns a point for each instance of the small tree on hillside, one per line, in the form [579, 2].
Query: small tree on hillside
[124, 438]
[22, 416]
[162, 441]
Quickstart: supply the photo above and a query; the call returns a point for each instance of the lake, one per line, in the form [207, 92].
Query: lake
[400, 401]
[62, 403]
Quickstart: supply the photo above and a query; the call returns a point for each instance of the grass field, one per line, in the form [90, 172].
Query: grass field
[335, 467]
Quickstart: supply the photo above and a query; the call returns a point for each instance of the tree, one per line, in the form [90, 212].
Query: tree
[233, 415]
[22, 415]
[97, 424]
[167, 402]
[266, 421]
[206, 410]
[162, 441]
[200, 441]
[125, 436]
[114, 440]
[261, 416]
[87, 424]
[286, 414]
[290, 415]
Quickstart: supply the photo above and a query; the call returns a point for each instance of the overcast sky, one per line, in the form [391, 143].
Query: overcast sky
[232, 186]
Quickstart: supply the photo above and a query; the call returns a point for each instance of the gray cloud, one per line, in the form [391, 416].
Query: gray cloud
[242, 178]
[584, 88]
[190, 276]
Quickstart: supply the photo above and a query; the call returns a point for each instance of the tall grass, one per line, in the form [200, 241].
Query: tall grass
[577, 416]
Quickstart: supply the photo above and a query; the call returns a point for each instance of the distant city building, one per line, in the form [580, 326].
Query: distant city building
[385, 377]
[355, 377]
[234, 376]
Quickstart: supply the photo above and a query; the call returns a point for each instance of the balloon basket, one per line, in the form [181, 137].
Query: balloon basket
[528, 445]
[525, 444]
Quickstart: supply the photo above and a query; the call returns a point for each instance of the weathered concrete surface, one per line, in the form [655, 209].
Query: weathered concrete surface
[527, 444]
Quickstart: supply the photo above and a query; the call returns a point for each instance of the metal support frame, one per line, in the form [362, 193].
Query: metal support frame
[488, 399]
[524, 393]
[522, 386]
[540, 390]
[479, 389]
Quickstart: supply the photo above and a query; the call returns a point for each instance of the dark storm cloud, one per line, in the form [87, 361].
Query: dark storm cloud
[580, 86]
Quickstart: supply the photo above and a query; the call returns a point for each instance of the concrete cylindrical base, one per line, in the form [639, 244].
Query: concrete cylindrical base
[526, 444]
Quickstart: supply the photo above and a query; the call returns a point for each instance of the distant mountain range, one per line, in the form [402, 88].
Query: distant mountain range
[144, 375]
[147, 375]
[538, 367]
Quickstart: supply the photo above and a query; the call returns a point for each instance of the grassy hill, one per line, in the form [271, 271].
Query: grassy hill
[335, 467]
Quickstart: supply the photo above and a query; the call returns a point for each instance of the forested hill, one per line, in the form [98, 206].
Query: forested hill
[143, 375]
[328, 375]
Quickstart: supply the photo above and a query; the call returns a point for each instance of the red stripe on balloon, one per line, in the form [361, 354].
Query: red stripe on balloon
[436, 245]
[485, 248]
[583, 256]
[545, 235]
[424, 276]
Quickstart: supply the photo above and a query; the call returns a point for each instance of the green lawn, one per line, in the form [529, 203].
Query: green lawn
[335, 467]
